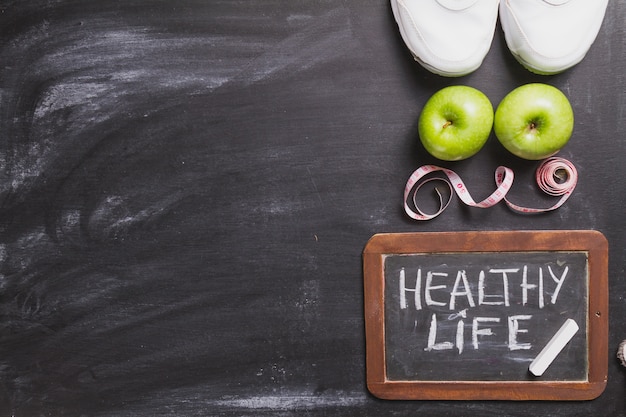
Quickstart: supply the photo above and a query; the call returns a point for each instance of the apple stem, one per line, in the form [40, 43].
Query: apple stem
[447, 123]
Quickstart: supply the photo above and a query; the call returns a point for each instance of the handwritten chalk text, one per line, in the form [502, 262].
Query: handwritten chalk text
[460, 293]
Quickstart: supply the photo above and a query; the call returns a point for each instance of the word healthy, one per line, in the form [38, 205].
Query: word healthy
[452, 291]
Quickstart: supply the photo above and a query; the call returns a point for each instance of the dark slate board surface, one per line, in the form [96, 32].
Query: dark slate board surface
[186, 189]
[508, 307]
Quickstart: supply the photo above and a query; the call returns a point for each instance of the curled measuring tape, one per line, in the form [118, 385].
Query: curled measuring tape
[555, 176]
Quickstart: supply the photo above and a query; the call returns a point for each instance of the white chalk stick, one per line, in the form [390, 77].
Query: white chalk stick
[553, 348]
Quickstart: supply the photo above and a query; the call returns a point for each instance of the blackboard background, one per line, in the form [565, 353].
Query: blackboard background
[186, 189]
[407, 329]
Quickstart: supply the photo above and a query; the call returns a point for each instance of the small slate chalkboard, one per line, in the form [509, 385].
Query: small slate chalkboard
[461, 315]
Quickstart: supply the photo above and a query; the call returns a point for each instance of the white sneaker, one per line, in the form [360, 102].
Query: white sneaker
[550, 36]
[447, 37]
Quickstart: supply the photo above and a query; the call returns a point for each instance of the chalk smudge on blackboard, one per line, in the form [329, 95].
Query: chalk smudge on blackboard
[292, 401]
[122, 200]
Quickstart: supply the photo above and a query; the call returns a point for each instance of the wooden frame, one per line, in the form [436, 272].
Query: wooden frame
[381, 245]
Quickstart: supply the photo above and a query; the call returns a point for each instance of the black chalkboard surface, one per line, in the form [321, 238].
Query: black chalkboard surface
[474, 309]
[491, 322]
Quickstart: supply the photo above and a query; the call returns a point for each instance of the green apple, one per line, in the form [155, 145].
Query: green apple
[534, 121]
[455, 122]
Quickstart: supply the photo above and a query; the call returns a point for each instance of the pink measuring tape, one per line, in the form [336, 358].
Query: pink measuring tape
[555, 176]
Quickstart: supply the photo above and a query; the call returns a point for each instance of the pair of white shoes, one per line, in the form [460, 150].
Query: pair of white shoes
[452, 37]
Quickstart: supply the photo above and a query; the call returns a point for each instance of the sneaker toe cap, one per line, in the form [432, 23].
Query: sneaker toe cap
[447, 42]
[550, 37]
